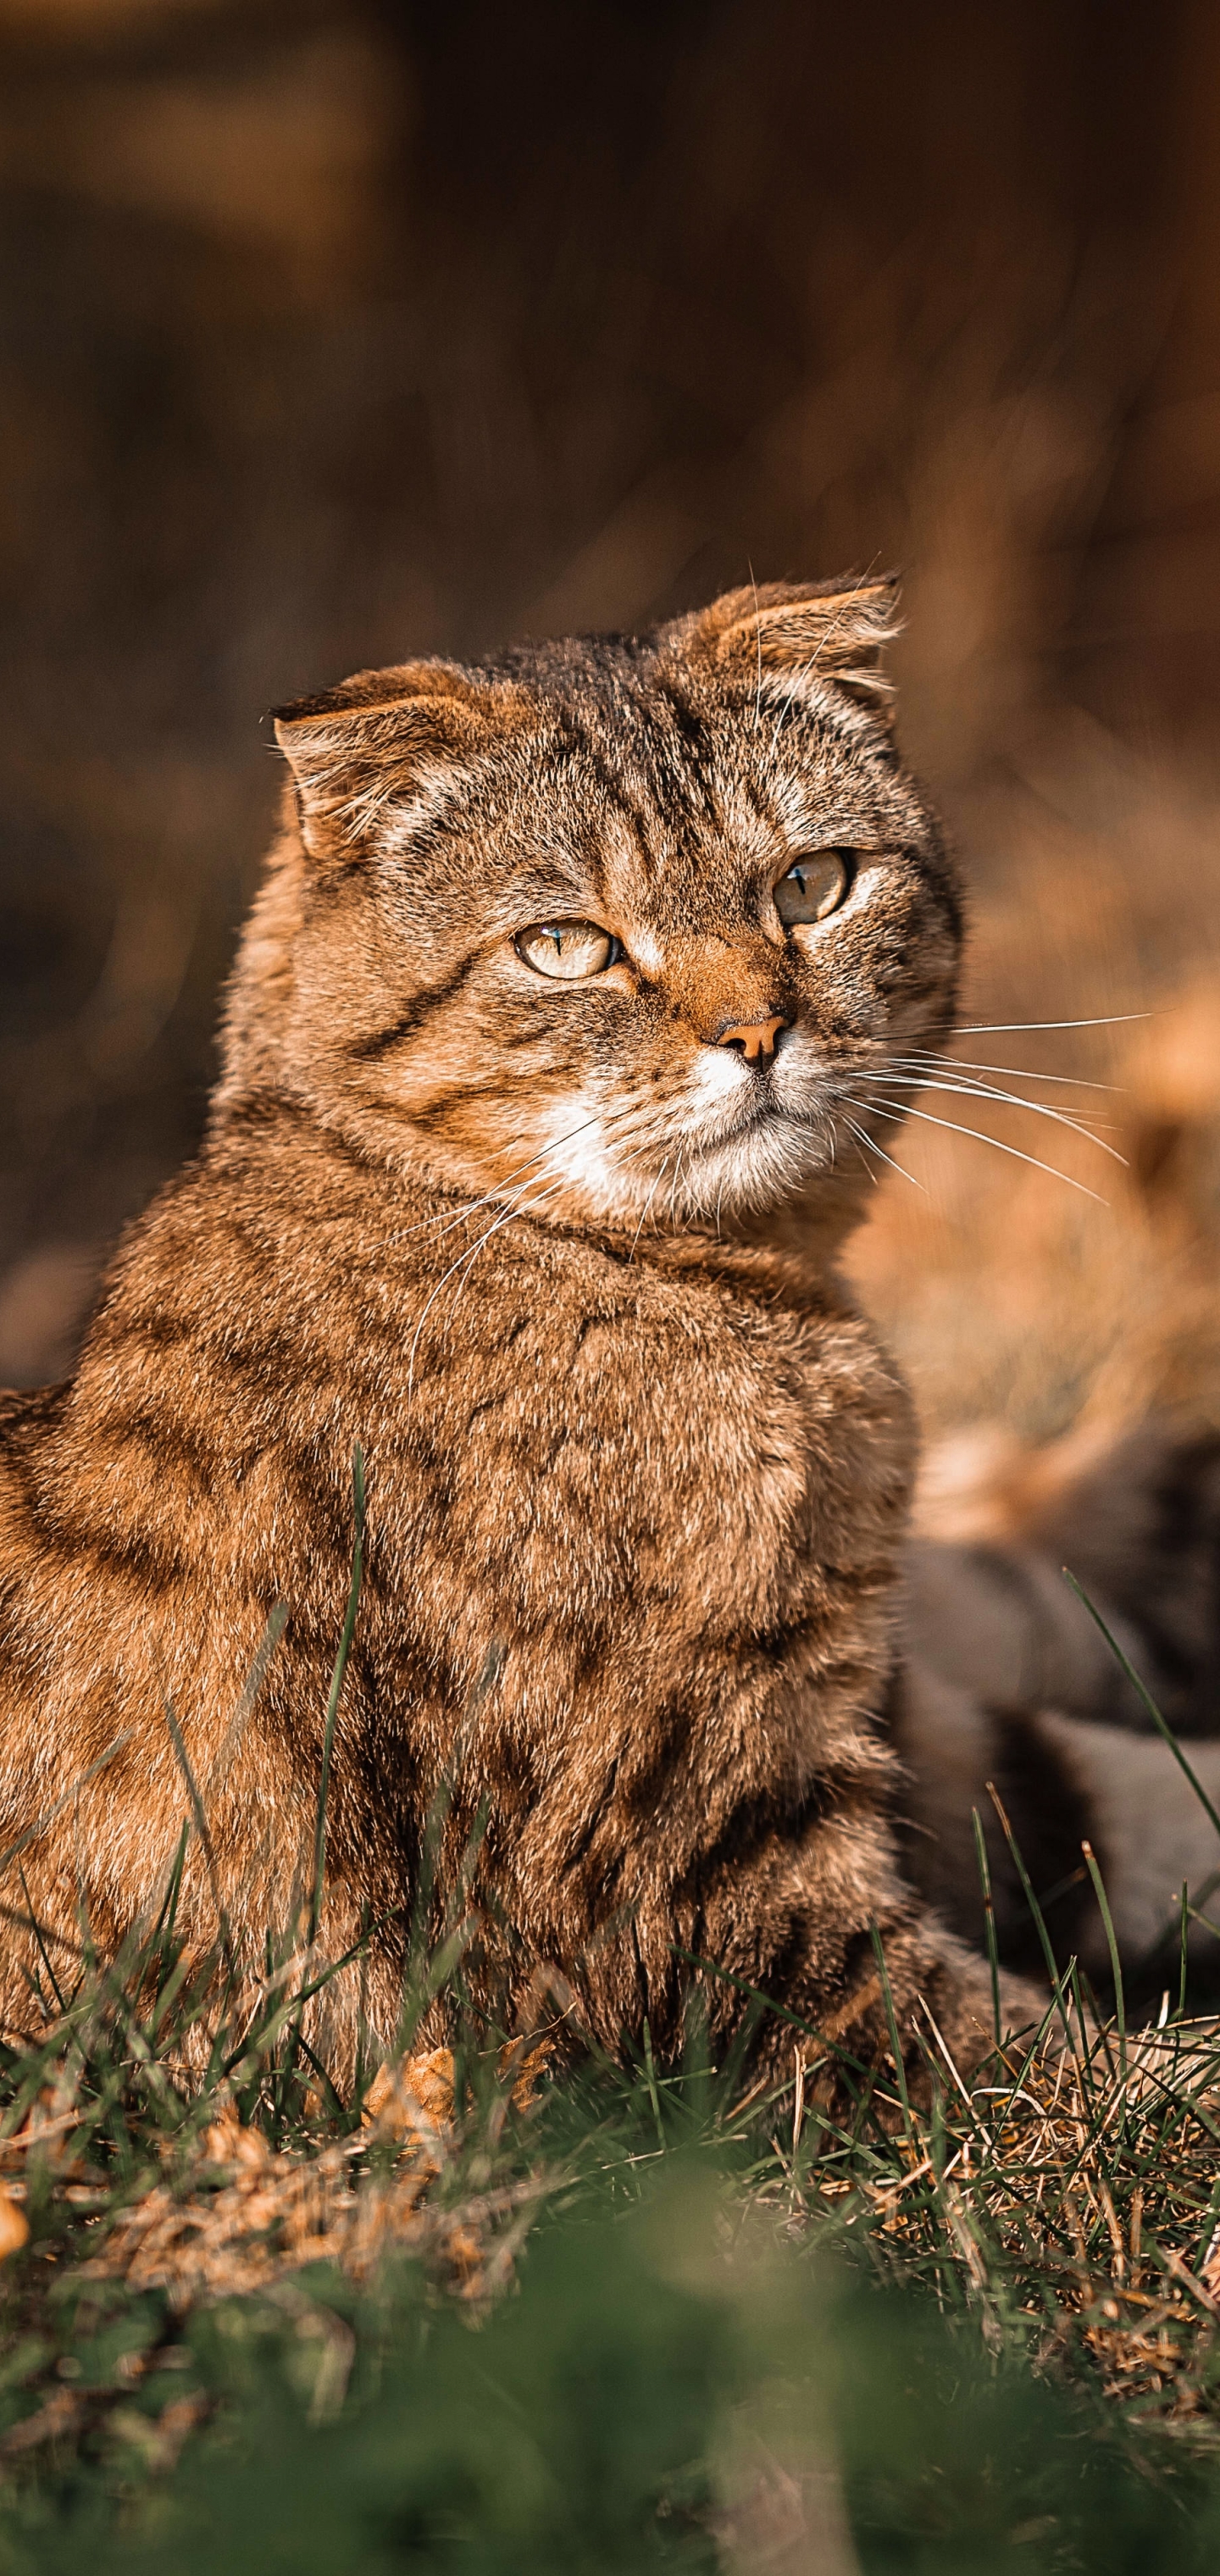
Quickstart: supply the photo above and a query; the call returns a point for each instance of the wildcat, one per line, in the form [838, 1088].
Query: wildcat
[543, 1116]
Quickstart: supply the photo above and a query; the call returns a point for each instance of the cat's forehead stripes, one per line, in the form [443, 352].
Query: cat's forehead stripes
[683, 825]
[640, 787]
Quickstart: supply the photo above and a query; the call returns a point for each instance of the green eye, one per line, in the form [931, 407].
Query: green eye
[814, 887]
[567, 950]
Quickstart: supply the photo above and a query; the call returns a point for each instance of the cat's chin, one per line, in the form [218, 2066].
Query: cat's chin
[756, 1169]
[758, 1166]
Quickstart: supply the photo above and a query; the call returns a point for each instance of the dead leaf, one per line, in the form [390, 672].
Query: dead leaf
[525, 2063]
[399, 2093]
[14, 2225]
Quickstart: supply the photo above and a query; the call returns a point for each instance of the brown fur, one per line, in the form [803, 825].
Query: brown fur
[563, 1264]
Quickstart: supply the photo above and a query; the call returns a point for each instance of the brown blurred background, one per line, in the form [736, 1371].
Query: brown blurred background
[335, 331]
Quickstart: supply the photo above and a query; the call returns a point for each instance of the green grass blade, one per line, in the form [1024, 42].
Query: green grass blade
[336, 1686]
[1161, 1724]
[842, 2056]
[993, 1946]
[202, 1828]
[651, 2079]
[1052, 1970]
[892, 2022]
[43, 1823]
[1116, 1971]
[277, 1621]
[43, 1952]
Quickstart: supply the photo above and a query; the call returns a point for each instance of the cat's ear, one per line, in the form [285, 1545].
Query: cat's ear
[836, 630]
[370, 758]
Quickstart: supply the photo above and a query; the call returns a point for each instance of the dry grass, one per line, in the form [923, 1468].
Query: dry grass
[1068, 2193]
[1076, 2198]
[178, 2247]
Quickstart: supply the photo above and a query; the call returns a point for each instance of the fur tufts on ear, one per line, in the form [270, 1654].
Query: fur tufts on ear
[835, 630]
[382, 743]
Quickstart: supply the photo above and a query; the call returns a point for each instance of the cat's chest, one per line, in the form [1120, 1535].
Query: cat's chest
[619, 1439]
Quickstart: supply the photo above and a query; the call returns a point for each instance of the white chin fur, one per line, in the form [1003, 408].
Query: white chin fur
[695, 1175]
[750, 1172]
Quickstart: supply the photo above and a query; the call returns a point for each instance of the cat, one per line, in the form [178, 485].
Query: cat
[1004, 1678]
[544, 1113]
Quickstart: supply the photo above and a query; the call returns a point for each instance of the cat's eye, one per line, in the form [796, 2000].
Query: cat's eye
[813, 888]
[567, 949]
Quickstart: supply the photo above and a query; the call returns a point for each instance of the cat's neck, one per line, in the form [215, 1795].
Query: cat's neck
[793, 1251]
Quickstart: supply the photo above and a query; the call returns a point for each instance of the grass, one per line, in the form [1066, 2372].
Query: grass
[481, 2316]
[480, 2319]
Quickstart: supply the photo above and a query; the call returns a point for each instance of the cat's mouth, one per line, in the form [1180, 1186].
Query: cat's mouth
[749, 1148]
[766, 1106]
[769, 1149]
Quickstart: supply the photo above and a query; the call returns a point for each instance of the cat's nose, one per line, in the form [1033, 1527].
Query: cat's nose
[756, 1040]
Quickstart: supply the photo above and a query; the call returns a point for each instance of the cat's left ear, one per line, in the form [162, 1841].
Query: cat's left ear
[836, 630]
[369, 758]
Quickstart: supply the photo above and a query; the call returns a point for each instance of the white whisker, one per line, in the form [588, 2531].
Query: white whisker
[871, 1141]
[1004, 1028]
[520, 1208]
[758, 639]
[492, 1197]
[644, 1210]
[503, 1219]
[971, 1064]
[985, 1091]
[897, 1113]
[466, 1265]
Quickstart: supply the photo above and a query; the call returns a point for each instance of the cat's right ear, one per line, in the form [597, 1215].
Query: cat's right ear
[784, 635]
[370, 758]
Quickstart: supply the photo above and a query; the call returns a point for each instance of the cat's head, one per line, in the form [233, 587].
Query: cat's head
[631, 925]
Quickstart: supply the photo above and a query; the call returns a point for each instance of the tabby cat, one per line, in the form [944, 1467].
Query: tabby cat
[539, 1129]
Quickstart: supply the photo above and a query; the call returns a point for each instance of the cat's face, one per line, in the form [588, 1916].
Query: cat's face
[628, 928]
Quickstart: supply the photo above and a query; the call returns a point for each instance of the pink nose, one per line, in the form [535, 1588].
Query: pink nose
[754, 1039]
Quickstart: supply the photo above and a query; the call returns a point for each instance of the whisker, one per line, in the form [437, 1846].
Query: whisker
[472, 1206]
[465, 1262]
[614, 1123]
[758, 639]
[882, 1109]
[468, 1260]
[862, 1142]
[1008, 1099]
[1002, 1028]
[1059, 1113]
[871, 1141]
[644, 1211]
[465, 1266]
[504, 1218]
[1067, 1112]
[972, 1064]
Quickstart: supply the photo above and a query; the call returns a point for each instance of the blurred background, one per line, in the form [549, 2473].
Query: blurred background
[335, 331]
